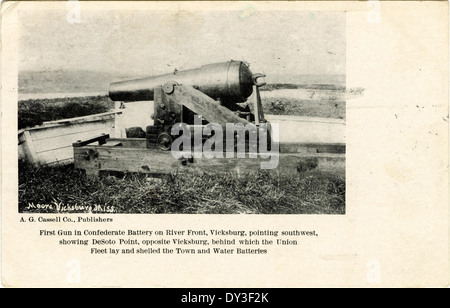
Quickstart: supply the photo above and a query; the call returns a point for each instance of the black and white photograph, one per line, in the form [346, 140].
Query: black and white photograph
[223, 151]
[179, 111]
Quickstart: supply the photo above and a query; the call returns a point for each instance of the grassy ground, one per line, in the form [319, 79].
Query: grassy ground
[35, 111]
[327, 101]
[307, 108]
[279, 86]
[258, 193]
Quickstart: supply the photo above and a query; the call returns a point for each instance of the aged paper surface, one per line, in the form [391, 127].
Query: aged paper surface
[395, 230]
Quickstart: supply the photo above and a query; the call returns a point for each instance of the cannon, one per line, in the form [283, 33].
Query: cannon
[211, 95]
[214, 92]
[230, 81]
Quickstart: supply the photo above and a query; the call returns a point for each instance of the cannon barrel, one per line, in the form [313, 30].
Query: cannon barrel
[232, 81]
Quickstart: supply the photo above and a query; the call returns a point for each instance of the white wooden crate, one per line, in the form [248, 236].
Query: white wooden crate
[51, 142]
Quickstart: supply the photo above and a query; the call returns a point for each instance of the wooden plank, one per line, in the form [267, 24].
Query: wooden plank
[113, 144]
[309, 132]
[336, 148]
[55, 156]
[45, 145]
[84, 119]
[119, 129]
[96, 158]
[21, 152]
[129, 142]
[100, 139]
[28, 148]
[60, 162]
[254, 98]
[257, 106]
[259, 103]
[44, 133]
[21, 136]
[204, 105]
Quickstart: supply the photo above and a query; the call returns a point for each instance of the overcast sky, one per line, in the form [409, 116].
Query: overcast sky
[149, 42]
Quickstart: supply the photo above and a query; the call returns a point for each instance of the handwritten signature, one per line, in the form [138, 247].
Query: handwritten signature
[60, 207]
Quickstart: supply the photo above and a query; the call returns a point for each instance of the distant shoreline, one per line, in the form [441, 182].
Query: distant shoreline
[267, 88]
[75, 82]
[27, 96]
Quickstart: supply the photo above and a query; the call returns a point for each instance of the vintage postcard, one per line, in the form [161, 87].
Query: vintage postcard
[225, 144]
